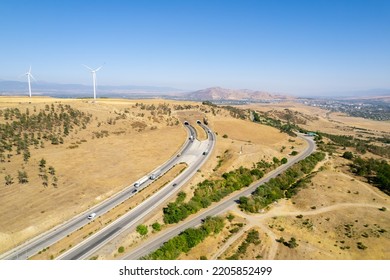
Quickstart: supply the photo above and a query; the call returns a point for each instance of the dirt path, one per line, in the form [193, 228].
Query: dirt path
[281, 209]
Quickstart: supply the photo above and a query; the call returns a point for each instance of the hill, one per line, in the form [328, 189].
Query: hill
[218, 93]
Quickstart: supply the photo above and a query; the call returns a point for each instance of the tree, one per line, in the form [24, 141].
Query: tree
[26, 155]
[45, 180]
[156, 226]
[348, 155]
[284, 160]
[142, 230]
[55, 181]
[8, 180]
[22, 177]
[42, 163]
[52, 171]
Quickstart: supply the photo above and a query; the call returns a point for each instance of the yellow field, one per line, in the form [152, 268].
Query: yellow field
[96, 169]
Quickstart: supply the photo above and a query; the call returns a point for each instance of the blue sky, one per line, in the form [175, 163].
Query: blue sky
[296, 47]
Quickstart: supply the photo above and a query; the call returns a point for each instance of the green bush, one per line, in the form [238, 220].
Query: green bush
[156, 226]
[142, 230]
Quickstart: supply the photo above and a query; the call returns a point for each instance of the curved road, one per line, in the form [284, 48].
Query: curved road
[218, 208]
[48, 238]
[195, 159]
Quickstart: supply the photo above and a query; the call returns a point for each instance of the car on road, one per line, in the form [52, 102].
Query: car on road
[136, 185]
[91, 216]
[134, 191]
[174, 185]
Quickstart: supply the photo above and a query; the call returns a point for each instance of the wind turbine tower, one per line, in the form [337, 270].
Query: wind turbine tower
[93, 78]
[29, 76]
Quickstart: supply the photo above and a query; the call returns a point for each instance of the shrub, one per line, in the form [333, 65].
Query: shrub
[348, 155]
[142, 230]
[156, 226]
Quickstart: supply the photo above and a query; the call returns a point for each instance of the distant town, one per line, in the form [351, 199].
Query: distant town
[374, 109]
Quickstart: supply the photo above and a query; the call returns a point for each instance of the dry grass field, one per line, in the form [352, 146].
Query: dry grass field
[89, 168]
[314, 118]
[336, 217]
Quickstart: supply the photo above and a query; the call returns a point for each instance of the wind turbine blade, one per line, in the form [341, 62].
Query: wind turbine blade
[33, 77]
[29, 71]
[87, 67]
[97, 69]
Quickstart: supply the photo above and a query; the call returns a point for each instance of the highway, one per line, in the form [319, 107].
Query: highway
[194, 158]
[33, 246]
[151, 245]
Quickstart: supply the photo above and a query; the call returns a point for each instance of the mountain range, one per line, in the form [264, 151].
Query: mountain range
[219, 94]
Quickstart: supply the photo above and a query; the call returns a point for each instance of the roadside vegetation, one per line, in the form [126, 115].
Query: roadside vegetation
[186, 240]
[209, 191]
[285, 185]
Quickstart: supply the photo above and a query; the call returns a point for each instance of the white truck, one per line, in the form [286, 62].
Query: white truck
[141, 181]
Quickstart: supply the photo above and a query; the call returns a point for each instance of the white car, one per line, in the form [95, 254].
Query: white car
[91, 216]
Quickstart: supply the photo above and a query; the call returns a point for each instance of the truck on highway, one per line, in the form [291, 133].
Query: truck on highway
[192, 138]
[206, 152]
[141, 181]
[154, 175]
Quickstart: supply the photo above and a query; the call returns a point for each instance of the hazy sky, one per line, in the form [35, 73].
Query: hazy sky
[281, 46]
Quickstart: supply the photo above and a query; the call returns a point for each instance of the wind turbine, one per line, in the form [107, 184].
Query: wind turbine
[93, 78]
[29, 76]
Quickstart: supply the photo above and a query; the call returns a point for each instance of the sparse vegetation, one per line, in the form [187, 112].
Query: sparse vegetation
[253, 237]
[22, 130]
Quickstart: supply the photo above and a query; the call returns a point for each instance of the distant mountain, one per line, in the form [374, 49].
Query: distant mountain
[218, 93]
[79, 90]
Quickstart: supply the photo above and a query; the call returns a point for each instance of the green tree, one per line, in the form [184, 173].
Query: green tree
[52, 171]
[22, 177]
[156, 226]
[42, 163]
[284, 160]
[142, 230]
[348, 155]
[8, 180]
